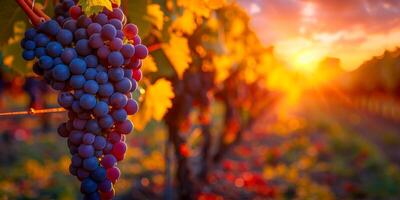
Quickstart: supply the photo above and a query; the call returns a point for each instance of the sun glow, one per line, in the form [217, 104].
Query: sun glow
[307, 60]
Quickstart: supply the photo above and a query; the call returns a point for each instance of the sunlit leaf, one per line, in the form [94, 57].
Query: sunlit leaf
[201, 8]
[149, 65]
[185, 23]
[178, 52]
[91, 7]
[155, 15]
[156, 101]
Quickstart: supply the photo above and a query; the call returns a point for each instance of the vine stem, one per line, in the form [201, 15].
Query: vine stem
[33, 111]
[36, 15]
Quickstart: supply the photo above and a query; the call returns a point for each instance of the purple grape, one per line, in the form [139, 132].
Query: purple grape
[99, 143]
[90, 164]
[119, 115]
[99, 174]
[118, 100]
[65, 37]
[90, 74]
[68, 55]
[115, 44]
[46, 62]
[95, 41]
[61, 72]
[108, 32]
[108, 161]
[85, 151]
[101, 109]
[88, 186]
[94, 28]
[82, 47]
[131, 107]
[77, 81]
[78, 66]
[116, 74]
[87, 101]
[88, 138]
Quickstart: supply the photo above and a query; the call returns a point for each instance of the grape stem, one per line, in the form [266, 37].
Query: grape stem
[36, 15]
[33, 111]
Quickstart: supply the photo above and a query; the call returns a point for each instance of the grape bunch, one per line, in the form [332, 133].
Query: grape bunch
[94, 62]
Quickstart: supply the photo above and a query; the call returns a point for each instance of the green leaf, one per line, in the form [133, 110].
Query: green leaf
[91, 7]
[10, 12]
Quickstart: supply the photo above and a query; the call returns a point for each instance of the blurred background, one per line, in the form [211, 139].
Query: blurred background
[247, 99]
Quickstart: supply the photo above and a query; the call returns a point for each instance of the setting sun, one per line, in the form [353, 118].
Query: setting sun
[306, 61]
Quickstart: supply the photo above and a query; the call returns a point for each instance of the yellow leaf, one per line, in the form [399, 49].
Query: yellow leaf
[155, 15]
[222, 65]
[201, 8]
[149, 65]
[156, 102]
[185, 23]
[178, 52]
[91, 7]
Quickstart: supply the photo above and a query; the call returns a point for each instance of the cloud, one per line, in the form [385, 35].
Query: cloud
[334, 26]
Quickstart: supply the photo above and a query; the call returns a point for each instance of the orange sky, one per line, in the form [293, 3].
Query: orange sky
[305, 31]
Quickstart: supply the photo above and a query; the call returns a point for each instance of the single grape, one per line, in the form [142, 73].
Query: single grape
[99, 143]
[115, 44]
[131, 107]
[113, 174]
[108, 32]
[88, 138]
[106, 90]
[46, 62]
[101, 77]
[130, 31]
[91, 61]
[90, 74]
[95, 41]
[85, 151]
[91, 87]
[94, 28]
[141, 51]
[123, 86]
[87, 101]
[108, 161]
[118, 100]
[77, 81]
[115, 59]
[82, 47]
[90, 164]
[128, 50]
[101, 109]
[54, 49]
[88, 186]
[99, 174]
[116, 74]
[68, 55]
[119, 115]
[65, 37]
[78, 66]
[61, 72]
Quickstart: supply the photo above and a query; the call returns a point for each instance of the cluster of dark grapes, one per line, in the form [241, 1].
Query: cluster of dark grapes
[95, 64]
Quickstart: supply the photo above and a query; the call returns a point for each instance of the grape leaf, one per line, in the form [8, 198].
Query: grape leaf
[149, 65]
[201, 8]
[91, 7]
[136, 13]
[10, 13]
[155, 15]
[185, 23]
[156, 101]
[178, 52]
